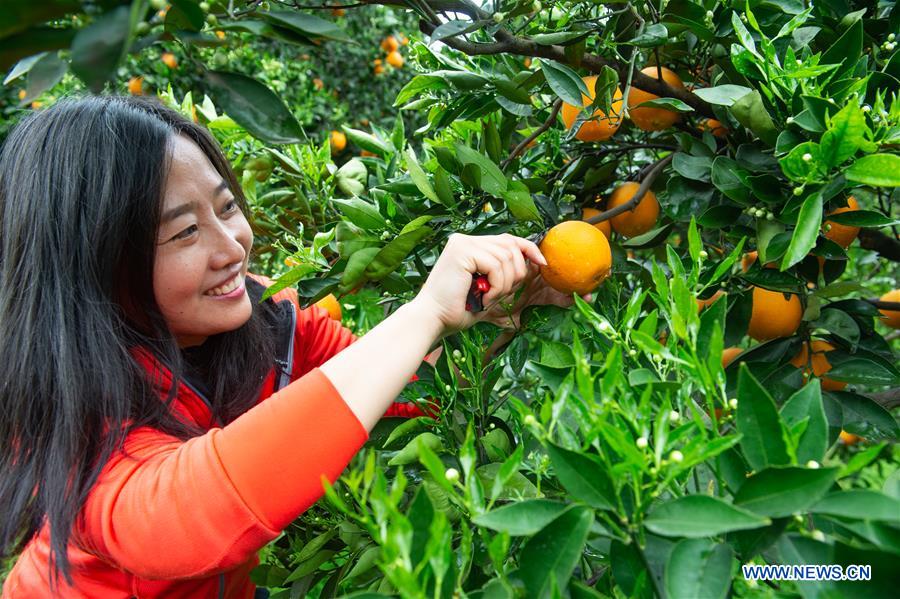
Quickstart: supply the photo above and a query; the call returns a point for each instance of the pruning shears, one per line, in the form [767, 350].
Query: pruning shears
[480, 284]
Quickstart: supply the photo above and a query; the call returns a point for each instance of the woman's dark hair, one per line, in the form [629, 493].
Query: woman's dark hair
[81, 191]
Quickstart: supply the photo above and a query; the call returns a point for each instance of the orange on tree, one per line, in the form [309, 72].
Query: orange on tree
[220, 35]
[338, 12]
[603, 225]
[338, 142]
[395, 59]
[653, 119]
[330, 304]
[527, 62]
[318, 83]
[390, 44]
[578, 257]
[601, 126]
[136, 85]
[713, 126]
[22, 94]
[774, 316]
[378, 70]
[705, 303]
[638, 220]
[36, 104]
[891, 318]
[367, 154]
[729, 354]
[843, 235]
[820, 364]
[748, 259]
[849, 438]
[403, 40]
[169, 59]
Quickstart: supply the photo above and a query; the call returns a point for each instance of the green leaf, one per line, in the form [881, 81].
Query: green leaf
[722, 95]
[254, 106]
[809, 220]
[743, 35]
[553, 553]
[410, 453]
[493, 180]
[307, 24]
[862, 416]
[565, 82]
[807, 403]
[758, 421]
[392, 255]
[752, 114]
[863, 218]
[584, 477]
[847, 49]
[451, 28]
[518, 200]
[877, 170]
[98, 48]
[368, 142]
[859, 503]
[407, 427]
[654, 35]
[42, 76]
[352, 177]
[667, 104]
[845, 135]
[419, 177]
[361, 213]
[523, 518]
[697, 516]
[780, 492]
[797, 168]
[698, 568]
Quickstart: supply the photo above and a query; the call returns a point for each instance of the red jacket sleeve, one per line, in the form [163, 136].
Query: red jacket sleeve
[213, 501]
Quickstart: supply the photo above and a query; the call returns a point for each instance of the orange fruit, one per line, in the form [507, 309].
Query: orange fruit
[849, 438]
[390, 44]
[578, 257]
[773, 316]
[820, 364]
[290, 261]
[748, 259]
[378, 69]
[843, 235]
[338, 142]
[527, 62]
[403, 40]
[338, 12]
[330, 304]
[604, 226]
[366, 153]
[729, 354]
[220, 35]
[169, 59]
[713, 126]
[318, 83]
[891, 318]
[653, 119]
[135, 86]
[395, 59]
[601, 126]
[638, 220]
[36, 104]
[22, 94]
[706, 303]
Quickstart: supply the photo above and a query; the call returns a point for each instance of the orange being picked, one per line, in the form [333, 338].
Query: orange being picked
[169, 59]
[891, 318]
[729, 354]
[601, 126]
[603, 225]
[774, 316]
[330, 304]
[136, 85]
[639, 220]
[578, 257]
[338, 142]
[390, 44]
[843, 235]
[395, 59]
[820, 364]
[653, 119]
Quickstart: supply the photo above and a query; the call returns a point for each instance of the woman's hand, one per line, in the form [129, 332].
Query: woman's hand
[506, 260]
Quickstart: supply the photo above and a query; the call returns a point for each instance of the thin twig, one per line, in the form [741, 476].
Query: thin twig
[534, 135]
[884, 305]
[636, 198]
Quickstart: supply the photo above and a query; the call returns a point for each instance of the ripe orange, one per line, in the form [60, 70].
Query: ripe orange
[330, 304]
[36, 104]
[578, 257]
[390, 44]
[653, 119]
[748, 259]
[604, 226]
[773, 316]
[378, 70]
[713, 126]
[527, 62]
[403, 40]
[135, 86]
[639, 220]
[706, 303]
[169, 59]
[22, 94]
[891, 318]
[820, 364]
[338, 142]
[849, 438]
[366, 153]
[843, 235]
[729, 354]
[601, 126]
[220, 35]
[290, 261]
[318, 83]
[338, 12]
[395, 59]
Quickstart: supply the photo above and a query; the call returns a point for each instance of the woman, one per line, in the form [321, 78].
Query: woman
[158, 423]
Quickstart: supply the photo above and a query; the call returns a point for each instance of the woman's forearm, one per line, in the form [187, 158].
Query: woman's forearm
[371, 373]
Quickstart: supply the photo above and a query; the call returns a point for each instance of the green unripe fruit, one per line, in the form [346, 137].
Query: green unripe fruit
[158, 4]
[142, 28]
[204, 6]
[212, 20]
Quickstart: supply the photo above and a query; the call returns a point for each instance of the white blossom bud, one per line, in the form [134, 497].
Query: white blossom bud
[676, 456]
[812, 464]
[674, 416]
[732, 403]
[641, 442]
[807, 157]
[818, 535]
[866, 108]
[891, 37]
[530, 420]
[632, 352]
[789, 120]
[704, 254]
[452, 474]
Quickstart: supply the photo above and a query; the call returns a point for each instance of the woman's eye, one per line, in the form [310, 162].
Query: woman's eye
[186, 233]
[231, 206]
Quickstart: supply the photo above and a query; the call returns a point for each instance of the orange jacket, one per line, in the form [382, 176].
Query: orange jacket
[186, 519]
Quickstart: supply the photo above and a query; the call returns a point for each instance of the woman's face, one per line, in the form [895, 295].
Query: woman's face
[203, 245]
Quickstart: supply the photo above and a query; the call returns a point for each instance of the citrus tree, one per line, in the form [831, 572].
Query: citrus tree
[721, 175]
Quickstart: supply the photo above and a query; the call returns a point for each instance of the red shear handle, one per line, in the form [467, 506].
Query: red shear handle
[479, 287]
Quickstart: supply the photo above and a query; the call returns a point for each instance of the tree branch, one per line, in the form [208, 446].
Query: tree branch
[884, 305]
[636, 198]
[887, 247]
[547, 124]
[889, 399]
